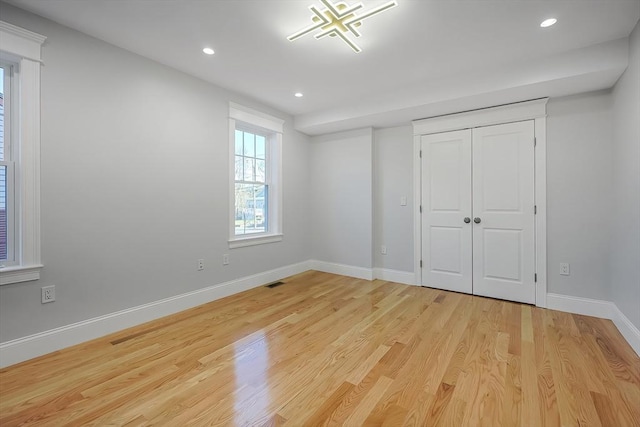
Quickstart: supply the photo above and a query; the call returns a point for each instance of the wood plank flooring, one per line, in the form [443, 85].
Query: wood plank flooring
[323, 349]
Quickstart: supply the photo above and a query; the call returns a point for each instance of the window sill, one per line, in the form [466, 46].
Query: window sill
[254, 240]
[19, 273]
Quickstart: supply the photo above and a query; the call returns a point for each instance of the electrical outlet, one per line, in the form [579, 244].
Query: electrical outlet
[48, 294]
[225, 259]
[564, 268]
[383, 249]
[200, 264]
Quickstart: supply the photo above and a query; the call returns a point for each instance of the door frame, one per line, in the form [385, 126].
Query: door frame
[535, 110]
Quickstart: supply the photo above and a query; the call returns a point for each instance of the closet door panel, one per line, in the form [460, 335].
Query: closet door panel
[503, 203]
[446, 202]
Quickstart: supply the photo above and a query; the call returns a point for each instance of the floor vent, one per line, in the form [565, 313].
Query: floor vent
[274, 284]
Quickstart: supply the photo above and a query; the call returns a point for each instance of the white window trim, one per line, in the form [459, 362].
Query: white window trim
[24, 48]
[257, 119]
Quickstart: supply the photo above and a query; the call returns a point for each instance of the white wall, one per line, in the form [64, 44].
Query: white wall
[393, 179]
[625, 248]
[341, 198]
[579, 194]
[135, 185]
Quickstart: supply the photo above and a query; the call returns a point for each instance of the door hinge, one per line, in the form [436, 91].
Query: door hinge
[420, 208]
[535, 209]
[420, 263]
[535, 278]
[420, 153]
[535, 141]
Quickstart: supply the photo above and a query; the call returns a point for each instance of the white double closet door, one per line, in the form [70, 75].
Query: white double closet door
[478, 223]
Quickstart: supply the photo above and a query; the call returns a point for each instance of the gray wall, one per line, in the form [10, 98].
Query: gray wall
[393, 179]
[135, 185]
[579, 193]
[625, 250]
[579, 188]
[341, 198]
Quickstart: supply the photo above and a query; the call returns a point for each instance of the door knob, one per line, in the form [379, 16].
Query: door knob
[477, 220]
[467, 220]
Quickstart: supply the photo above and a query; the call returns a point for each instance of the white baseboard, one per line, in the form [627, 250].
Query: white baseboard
[26, 348]
[31, 346]
[597, 308]
[627, 329]
[396, 276]
[342, 269]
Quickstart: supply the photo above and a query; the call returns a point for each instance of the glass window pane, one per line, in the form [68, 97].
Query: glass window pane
[261, 148]
[3, 212]
[261, 171]
[250, 209]
[238, 142]
[1, 114]
[240, 208]
[239, 170]
[249, 144]
[249, 166]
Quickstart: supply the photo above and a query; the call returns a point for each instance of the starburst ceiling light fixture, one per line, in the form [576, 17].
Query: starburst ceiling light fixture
[338, 20]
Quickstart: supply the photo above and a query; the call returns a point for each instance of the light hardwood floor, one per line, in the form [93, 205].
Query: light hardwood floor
[323, 349]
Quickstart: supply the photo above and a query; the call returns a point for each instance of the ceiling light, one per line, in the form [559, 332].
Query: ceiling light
[548, 22]
[208, 51]
[338, 20]
[298, 95]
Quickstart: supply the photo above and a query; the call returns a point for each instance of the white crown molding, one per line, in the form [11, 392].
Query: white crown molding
[26, 34]
[258, 118]
[21, 43]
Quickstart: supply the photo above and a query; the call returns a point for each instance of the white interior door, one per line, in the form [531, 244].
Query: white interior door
[503, 211]
[446, 202]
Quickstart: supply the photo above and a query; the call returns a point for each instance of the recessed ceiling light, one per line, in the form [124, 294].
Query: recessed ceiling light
[208, 51]
[548, 22]
[298, 95]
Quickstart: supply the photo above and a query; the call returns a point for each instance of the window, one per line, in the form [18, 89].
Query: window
[251, 184]
[19, 154]
[255, 177]
[7, 202]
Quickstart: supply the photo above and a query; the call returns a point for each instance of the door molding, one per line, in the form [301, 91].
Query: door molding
[528, 110]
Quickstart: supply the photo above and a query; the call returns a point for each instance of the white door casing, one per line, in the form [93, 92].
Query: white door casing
[446, 202]
[533, 110]
[503, 203]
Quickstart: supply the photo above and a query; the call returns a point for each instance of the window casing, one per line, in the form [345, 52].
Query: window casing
[20, 52]
[7, 168]
[255, 141]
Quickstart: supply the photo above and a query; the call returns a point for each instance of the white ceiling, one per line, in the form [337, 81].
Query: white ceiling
[422, 58]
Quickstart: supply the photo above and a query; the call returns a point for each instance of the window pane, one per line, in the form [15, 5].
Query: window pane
[239, 170]
[260, 146]
[251, 208]
[1, 114]
[261, 171]
[3, 212]
[239, 142]
[249, 165]
[249, 144]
